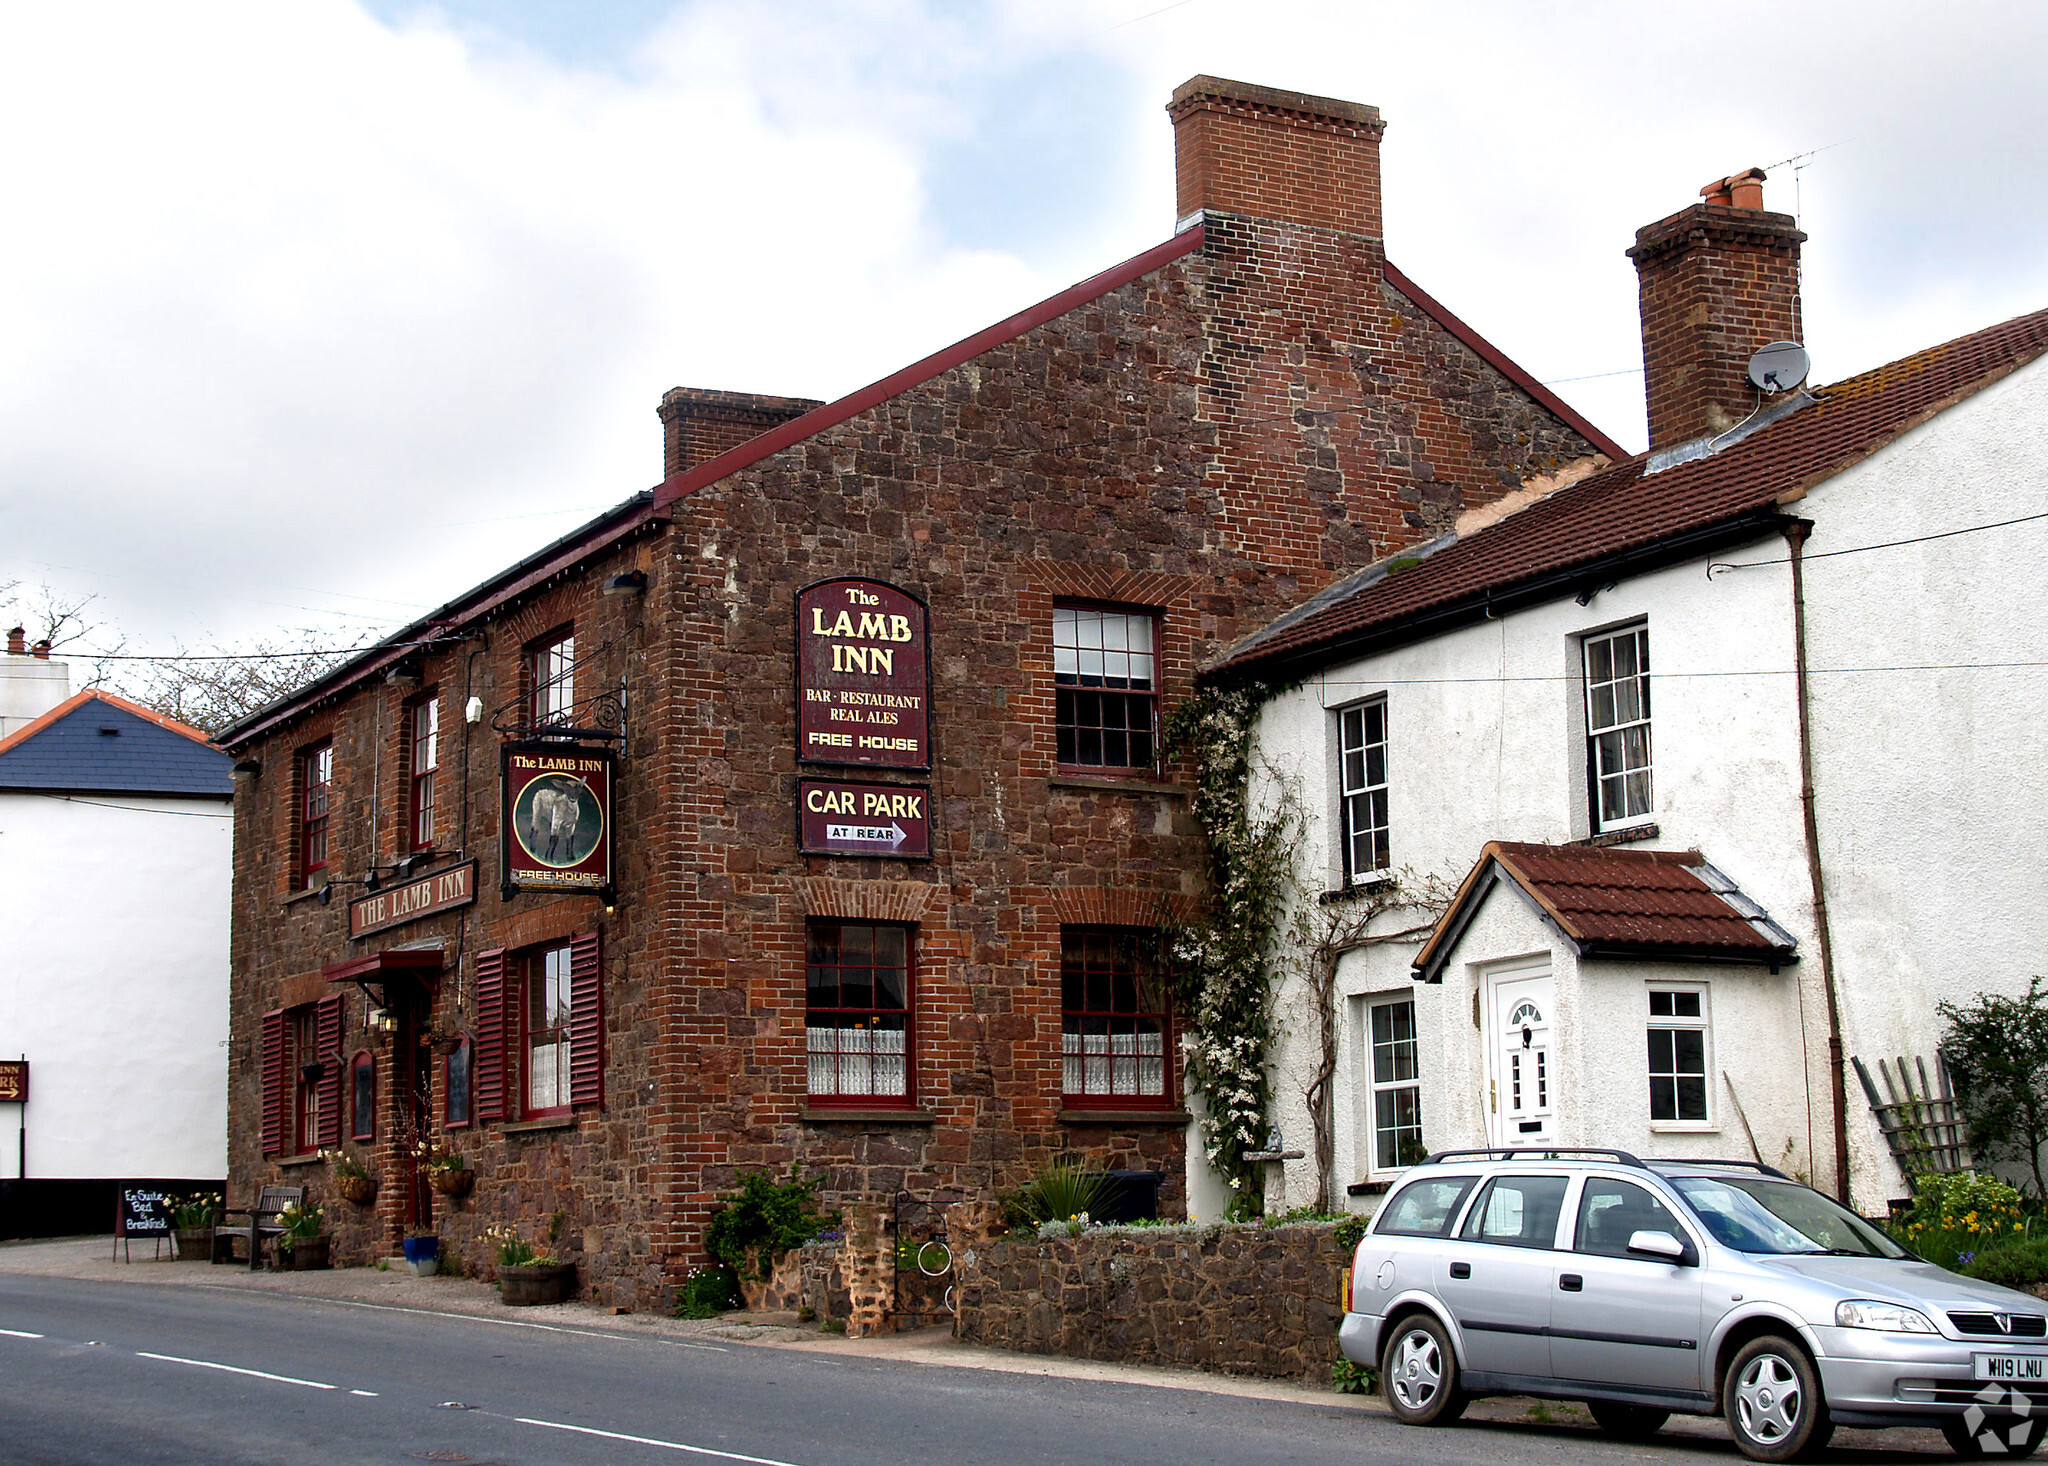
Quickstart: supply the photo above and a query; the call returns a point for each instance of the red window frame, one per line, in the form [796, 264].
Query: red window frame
[423, 743]
[541, 1024]
[1111, 989]
[1105, 690]
[459, 1078]
[362, 1117]
[315, 800]
[830, 979]
[548, 669]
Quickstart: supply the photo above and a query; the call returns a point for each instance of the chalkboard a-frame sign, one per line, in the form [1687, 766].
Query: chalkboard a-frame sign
[141, 1211]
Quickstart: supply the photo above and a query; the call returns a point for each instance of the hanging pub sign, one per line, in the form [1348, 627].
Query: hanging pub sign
[440, 892]
[13, 1081]
[555, 822]
[843, 818]
[863, 675]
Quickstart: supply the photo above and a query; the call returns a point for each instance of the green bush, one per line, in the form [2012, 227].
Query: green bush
[708, 1292]
[763, 1220]
[1351, 1231]
[2021, 1265]
[1955, 1217]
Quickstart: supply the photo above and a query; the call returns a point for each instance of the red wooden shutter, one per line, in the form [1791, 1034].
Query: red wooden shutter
[488, 1035]
[333, 1074]
[586, 1020]
[275, 1088]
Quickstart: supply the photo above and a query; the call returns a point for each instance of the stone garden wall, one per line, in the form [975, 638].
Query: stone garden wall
[1241, 1299]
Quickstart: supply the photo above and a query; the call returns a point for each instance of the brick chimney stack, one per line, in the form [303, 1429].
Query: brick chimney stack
[1717, 280]
[17, 641]
[698, 424]
[1242, 149]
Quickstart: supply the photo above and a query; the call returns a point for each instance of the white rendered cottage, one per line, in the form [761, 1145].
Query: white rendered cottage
[1599, 716]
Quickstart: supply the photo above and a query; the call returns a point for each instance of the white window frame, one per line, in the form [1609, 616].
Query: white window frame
[1375, 1086]
[1628, 710]
[1701, 1024]
[1358, 792]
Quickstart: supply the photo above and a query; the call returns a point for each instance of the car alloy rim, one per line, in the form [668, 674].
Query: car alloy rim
[1418, 1369]
[1768, 1399]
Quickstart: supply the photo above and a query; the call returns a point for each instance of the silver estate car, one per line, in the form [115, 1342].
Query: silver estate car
[1705, 1287]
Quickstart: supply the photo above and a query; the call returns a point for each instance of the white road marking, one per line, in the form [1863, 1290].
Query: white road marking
[366, 1394]
[18, 1334]
[648, 1440]
[517, 1323]
[283, 1379]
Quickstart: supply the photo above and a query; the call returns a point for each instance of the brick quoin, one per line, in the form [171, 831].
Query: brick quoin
[1211, 438]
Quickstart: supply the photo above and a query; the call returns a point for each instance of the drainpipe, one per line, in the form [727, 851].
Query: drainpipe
[1796, 531]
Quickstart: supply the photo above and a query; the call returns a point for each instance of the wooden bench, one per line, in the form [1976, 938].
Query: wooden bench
[270, 1201]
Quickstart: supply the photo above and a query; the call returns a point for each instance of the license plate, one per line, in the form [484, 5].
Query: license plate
[2011, 1366]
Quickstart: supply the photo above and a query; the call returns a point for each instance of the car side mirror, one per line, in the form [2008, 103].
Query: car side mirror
[1659, 1244]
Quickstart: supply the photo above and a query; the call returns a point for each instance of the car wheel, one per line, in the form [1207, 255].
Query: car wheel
[1419, 1372]
[1982, 1435]
[1629, 1422]
[1771, 1396]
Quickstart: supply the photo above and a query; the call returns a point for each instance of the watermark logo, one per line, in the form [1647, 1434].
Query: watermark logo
[2000, 1422]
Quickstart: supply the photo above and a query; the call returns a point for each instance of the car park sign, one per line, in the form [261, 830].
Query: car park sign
[838, 817]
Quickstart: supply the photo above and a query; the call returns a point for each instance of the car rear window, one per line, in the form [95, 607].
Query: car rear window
[1424, 1208]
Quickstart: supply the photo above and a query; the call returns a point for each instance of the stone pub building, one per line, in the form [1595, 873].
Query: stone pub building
[810, 809]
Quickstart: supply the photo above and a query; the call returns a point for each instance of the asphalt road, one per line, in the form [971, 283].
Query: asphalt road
[91, 1373]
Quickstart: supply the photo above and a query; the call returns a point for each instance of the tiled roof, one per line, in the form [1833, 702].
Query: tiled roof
[96, 743]
[1624, 508]
[1619, 903]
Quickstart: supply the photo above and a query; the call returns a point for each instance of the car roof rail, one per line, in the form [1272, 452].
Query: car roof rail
[1716, 1161]
[1535, 1153]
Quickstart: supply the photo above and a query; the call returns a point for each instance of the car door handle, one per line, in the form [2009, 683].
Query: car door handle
[1571, 1282]
[1461, 1269]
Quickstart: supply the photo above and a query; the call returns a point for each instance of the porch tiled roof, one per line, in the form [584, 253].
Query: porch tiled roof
[1619, 903]
[1623, 508]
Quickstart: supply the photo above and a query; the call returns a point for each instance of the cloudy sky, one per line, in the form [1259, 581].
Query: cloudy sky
[315, 312]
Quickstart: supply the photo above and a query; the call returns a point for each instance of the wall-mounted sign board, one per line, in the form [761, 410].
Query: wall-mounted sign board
[555, 819]
[442, 891]
[863, 675]
[839, 817]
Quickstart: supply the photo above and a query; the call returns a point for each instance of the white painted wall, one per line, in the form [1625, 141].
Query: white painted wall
[1934, 830]
[115, 983]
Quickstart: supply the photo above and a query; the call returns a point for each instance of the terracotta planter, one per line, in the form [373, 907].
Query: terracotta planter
[454, 1184]
[362, 1190]
[308, 1254]
[534, 1283]
[195, 1243]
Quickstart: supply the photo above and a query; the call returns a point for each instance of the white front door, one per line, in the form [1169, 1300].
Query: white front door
[1522, 1105]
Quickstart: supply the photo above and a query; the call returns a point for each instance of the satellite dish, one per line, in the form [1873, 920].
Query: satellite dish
[1779, 367]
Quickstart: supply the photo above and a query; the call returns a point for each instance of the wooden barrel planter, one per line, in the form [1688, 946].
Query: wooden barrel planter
[194, 1242]
[362, 1190]
[452, 1184]
[532, 1283]
[309, 1254]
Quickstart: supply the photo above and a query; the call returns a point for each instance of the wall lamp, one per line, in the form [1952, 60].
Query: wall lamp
[246, 770]
[404, 674]
[626, 583]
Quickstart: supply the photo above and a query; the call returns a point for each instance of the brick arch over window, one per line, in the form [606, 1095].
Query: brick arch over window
[1065, 578]
[903, 901]
[1121, 906]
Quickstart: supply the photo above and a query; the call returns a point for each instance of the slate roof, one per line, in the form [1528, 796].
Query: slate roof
[1627, 508]
[70, 750]
[1619, 903]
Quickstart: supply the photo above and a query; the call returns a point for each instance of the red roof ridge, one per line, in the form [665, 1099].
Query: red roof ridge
[796, 430]
[79, 699]
[1500, 361]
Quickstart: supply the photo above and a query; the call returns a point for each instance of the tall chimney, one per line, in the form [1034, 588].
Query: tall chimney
[17, 641]
[1717, 280]
[698, 424]
[1241, 149]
